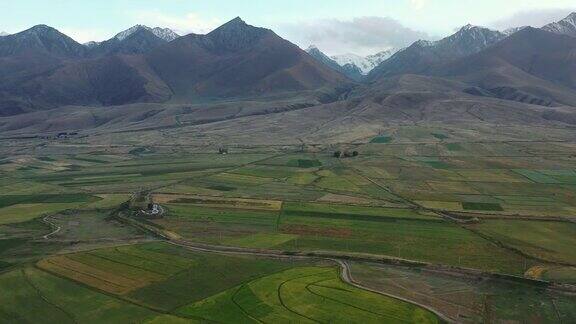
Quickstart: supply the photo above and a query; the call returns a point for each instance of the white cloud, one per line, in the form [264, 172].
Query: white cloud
[184, 24]
[419, 4]
[82, 35]
[362, 35]
[535, 18]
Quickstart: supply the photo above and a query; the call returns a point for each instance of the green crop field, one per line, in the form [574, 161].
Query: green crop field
[33, 296]
[303, 295]
[182, 286]
[552, 241]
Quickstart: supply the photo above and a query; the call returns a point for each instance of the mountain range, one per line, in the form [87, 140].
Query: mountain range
[249, 75]
[421, 55]
[45, 69]
[135, 40]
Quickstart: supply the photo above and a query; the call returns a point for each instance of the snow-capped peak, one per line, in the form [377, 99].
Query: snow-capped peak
[566, 26]
[365, 64]
[473, 28]
[4, 34]
[91, 44]
[513, 30]
[164, 33]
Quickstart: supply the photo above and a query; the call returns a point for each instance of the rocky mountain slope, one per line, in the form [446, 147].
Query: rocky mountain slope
[41, 40]
[421, 55]
[532, 65]
[44, 69]
[140, 41]
[237, 59]
[566, 26]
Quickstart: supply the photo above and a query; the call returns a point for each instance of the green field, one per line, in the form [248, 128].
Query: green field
[166, 283]
[552, 241]
[33, 296]
[303, 295]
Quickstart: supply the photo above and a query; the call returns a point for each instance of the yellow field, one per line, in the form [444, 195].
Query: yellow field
[97, 278]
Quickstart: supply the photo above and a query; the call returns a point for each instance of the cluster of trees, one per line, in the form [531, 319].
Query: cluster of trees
[346, 154]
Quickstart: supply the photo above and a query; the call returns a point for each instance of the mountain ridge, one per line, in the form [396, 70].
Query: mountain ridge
[421, 55]
[236, 59]
[566, 26]
[41, 40]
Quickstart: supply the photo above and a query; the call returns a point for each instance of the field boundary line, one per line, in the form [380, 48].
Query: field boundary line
[314, 284]
[45, 299]
[159, 311]
[233, 299]
[279, 292]
[91, 253]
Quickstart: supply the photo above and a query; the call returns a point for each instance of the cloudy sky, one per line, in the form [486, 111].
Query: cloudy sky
[335, 26]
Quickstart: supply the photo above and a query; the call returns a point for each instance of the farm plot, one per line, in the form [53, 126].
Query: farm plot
[33, 296]
[206, 201]
[160, 276]
[208, 274]
[332, 181]
[91, 226]
[468, 300]
[22, 208]
[352, 212]
[143, 172]
[238, 179]
[553, 241]
[26, 212]
[217, 225]
[116, 270]
[265, 171]
[302, 178]
[303, 295]
[277, 190]
[429, 240]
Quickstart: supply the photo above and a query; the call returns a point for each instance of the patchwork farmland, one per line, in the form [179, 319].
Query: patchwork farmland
[424, 222]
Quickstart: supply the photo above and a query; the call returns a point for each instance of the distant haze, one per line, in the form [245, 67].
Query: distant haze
[363, 35]
[534, 18]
